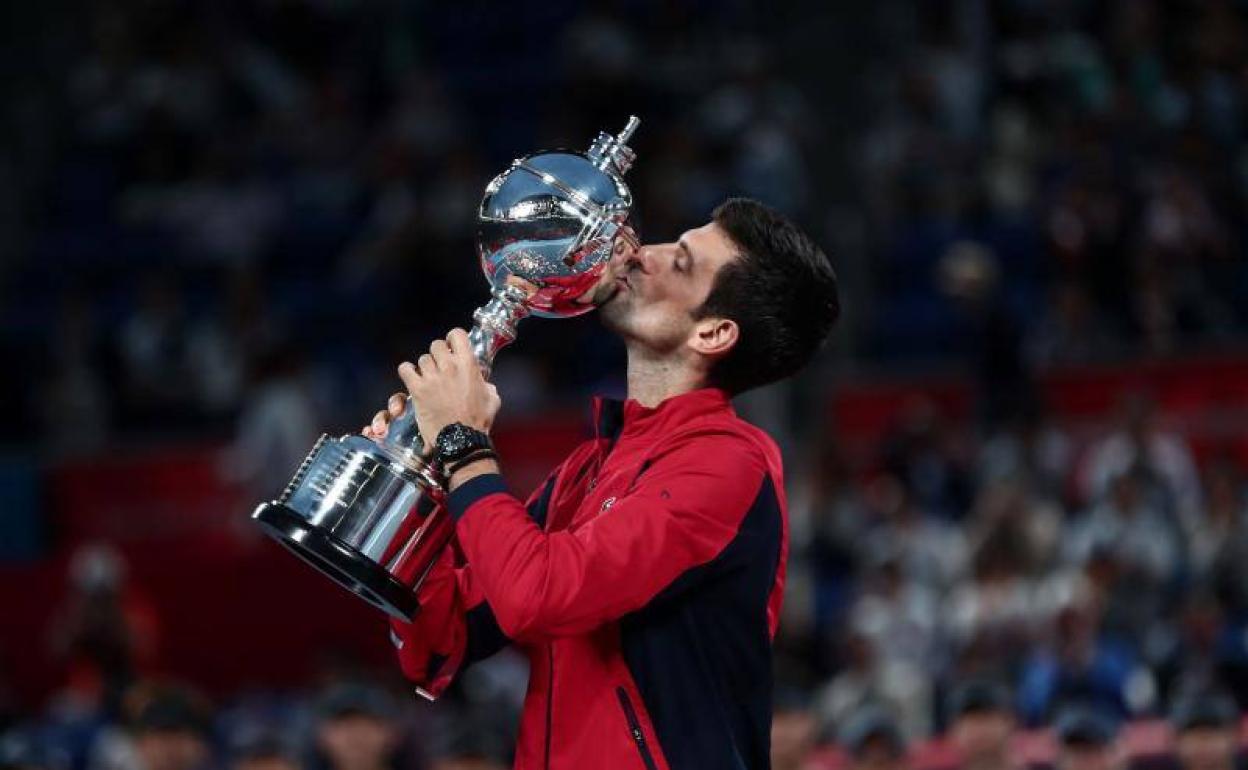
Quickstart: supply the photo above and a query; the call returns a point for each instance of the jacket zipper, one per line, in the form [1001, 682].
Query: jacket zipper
[634, 727]
[550, 702]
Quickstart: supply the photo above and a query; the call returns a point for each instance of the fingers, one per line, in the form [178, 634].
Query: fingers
[450, 356]
[380, 423]
[461, 346]
[410, 375]
[441, 353]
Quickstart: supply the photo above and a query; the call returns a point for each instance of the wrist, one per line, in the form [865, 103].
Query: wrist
[469, 470]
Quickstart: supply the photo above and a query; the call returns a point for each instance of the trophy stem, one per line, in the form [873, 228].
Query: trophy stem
[496, 323]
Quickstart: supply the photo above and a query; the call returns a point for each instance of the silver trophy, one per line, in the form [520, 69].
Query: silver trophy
[368, 513]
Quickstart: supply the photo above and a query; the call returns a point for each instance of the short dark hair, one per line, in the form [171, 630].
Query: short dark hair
[781, 291]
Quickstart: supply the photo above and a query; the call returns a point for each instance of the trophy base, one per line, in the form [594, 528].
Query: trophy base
[349, 568]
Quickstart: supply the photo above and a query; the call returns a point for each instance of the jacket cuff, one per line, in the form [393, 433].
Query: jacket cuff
[459, 501]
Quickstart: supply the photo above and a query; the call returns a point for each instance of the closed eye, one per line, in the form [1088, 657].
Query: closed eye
[684, 258]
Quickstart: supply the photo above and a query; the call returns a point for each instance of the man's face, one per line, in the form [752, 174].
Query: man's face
[356, 741]
[879, 754]
[170, 749]
[1205, 748]
[982, 736]
[1086, 757]
[792, 737]
[649, 294]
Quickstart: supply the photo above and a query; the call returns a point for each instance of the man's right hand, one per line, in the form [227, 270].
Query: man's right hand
[381, 421]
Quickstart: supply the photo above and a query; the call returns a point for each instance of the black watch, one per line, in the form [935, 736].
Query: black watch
[456, 441]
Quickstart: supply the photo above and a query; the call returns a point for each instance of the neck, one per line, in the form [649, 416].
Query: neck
[652, 380]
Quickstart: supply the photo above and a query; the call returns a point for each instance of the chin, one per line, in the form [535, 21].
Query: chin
[619, 315]
[614, 314]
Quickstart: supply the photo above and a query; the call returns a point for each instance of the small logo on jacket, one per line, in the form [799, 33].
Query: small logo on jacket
[606, 505]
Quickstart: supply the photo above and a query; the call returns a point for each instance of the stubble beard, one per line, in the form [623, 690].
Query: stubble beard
[614, 312]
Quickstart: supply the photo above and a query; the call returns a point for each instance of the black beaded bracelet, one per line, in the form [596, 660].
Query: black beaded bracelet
[480, 454]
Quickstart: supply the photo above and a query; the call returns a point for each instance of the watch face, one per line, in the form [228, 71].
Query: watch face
[456, 440]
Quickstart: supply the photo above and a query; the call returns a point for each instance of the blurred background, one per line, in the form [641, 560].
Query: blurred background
[1017, 473]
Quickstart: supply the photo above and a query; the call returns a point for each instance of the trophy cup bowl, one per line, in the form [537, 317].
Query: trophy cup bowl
[369, 514]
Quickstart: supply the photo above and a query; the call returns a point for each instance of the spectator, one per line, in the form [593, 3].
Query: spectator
[924, 452]
[981, 725]
[1141, 445]
[899, 617]
[1073, 331]
[1030, 451]
[473, 747]
[1086, 740]
[357, 728]
[826, 527]
[867, 678]
[996, 613]
[1206, 731]
[1219, 548]
[931, 550]
[152, 348]
[1082, 665]
[106, 632]
[970, 275]
[169, 728]
[261, 749]
[874, 741]
[74, 404]
[1133, 525]
[794, 729]
[278, 424]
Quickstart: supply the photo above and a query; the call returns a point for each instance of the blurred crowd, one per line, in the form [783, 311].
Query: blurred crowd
[252, 211]
[1108, 576]
[264, 206]
[260, 209]
[1080, 166]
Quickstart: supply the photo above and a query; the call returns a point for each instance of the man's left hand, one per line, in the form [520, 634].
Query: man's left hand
[447, 386]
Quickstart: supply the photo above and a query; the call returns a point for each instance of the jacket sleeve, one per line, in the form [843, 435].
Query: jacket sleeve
[431, 647]
[685, 509]
[455, 626]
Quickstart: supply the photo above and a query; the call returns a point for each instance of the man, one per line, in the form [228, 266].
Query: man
[1206, 734]
[873, 740]
[1085, 740]
[356, 729]
[982, 725]
[256, 748]
[794, 730]
[644, 578]
[171, 727]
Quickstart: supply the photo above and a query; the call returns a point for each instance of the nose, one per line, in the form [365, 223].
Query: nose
[627, 251]
[640, 258]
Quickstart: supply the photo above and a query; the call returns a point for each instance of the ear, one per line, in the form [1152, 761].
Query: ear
[714, 337]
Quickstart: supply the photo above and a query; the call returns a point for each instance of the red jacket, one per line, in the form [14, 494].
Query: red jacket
[643, 580]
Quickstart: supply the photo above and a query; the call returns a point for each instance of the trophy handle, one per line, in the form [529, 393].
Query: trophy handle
[496, 321]
[495, 328]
